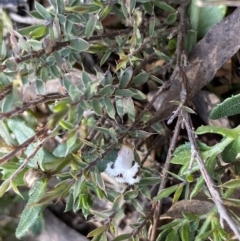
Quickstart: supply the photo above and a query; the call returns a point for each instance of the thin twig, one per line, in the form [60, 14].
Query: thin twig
[30, 103]
[146, 220]
[213, 191]
[6, 91]
[24, 164]
[21, 147]
[164, 179]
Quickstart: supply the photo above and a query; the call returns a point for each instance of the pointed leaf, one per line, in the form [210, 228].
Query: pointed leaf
[126, 77]
[97, 231]
[141, 78]
[79, 44]
[43, 12]
[165, 193]
[30, 215]
[90, 26]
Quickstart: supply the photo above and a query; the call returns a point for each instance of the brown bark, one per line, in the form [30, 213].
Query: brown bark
[219, 45]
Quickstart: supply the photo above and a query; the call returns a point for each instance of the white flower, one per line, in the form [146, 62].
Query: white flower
[122, 169]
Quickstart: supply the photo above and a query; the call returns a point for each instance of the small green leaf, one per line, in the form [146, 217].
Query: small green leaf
[219, 148]
[73, 18]
[113, 134]
[4, 133]
[118, 202]
[161, 55]
[126, 77]
[173, 235]
[121, 237]
[108, 80]
[90, 26]
[84, 8]
[38, 32]
[97, 231]
[78, 185]
[137, 206]
[151, 23]
[129, 108]
[36, 45]
[66, 125]
[185, 231]
[109, 108]
[191, 40]
[99, 180]
[234, 183]
[105, 57]
[138, 94]
[231, 202]
[172, 44]
[165, 193]
[178, 193]
[182, 155]
[74, 93]
[60, 6]
[189, 178]
[119, 107]
[40, 86]
[123, 93]
[145, 181]
[171, 19]
[97, 107]
[69, 202]
[197, 188]
[105, 11]
[164, 6]
[15, 189]
[4, 187]
[79, 44]
[149, 9]
[26, 31]
[130, 195]
[232, 133]
[98, 214]
[86, 79]
[43, 12]
[107, 90]
[140, 79]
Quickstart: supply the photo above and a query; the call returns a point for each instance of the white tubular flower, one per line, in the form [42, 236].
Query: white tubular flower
[122, 169]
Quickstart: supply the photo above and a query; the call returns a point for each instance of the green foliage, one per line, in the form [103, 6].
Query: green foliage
[59, 121]
[228, 107]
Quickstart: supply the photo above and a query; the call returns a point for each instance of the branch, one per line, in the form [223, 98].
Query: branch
[24, 164]
[213, 191]
[22, 146]
[164, 178]
[29, 104]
